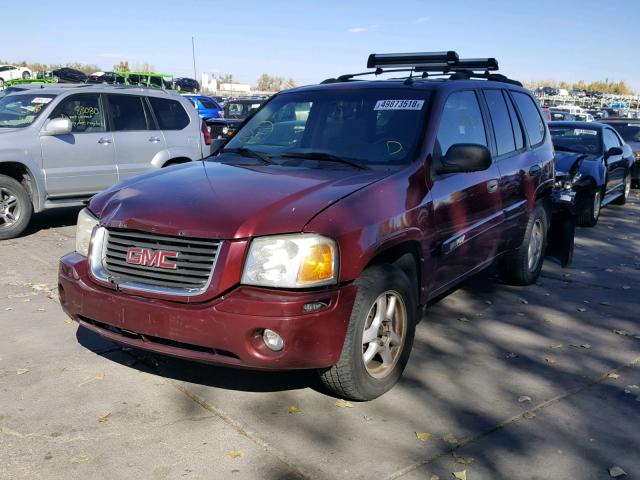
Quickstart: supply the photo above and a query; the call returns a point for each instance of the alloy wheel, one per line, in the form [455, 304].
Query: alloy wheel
[10, 209]
[627, 186]
[596, 205]
[535, 245]
[384, 334]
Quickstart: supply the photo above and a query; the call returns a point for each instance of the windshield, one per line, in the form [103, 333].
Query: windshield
[629, 131]
[579, 140]
[10, 90]
[17, 111]
[240, 110]
[368, 126]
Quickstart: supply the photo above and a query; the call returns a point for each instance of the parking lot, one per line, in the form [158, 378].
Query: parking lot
[503, 382]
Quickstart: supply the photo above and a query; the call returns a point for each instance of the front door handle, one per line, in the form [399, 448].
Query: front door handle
[534, 170]
[104, 141]
[492, 186]
[154, 139]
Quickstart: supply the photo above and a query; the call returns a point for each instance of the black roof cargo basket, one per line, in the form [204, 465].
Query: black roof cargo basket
[430, 64]
[411, 60]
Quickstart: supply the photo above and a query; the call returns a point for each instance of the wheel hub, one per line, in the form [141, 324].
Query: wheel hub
[9, 208]
[384, 334]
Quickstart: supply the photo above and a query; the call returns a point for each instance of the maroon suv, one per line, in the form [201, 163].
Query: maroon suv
[313, 237]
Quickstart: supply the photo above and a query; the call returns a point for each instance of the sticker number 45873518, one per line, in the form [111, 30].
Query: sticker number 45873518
[399, 105]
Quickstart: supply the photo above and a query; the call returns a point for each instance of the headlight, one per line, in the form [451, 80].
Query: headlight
[291, 261]
[576, 177]
[86, 223]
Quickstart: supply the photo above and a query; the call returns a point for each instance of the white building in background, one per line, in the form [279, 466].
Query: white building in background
[235, 88]
[209, 84]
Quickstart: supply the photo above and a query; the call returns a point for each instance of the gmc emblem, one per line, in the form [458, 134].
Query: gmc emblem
[151, 258]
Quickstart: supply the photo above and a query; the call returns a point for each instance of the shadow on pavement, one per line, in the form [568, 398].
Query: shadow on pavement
[198, 373]
[477, 352]
[58, 217]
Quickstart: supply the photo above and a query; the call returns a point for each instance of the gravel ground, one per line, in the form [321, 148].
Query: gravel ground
[504, 382]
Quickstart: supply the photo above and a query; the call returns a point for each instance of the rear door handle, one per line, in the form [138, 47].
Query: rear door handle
[492, 186]
[104, 141]
[154, 139]
[534, 170]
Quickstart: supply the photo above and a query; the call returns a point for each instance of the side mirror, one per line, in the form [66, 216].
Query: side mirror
[465, 157]
[613, 151]
[57, 126]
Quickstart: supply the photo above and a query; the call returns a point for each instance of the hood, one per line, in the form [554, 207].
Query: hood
[566, 161]
[8, 130]
[635, 146]
[215, 200]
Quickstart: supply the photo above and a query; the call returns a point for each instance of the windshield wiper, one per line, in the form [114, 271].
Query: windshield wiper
[247, 152]
[325, 156]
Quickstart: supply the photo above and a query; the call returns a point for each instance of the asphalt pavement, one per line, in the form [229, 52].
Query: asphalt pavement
[539, 382]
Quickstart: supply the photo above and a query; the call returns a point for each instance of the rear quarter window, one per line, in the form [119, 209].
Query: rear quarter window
[533, 122]
[169, 113]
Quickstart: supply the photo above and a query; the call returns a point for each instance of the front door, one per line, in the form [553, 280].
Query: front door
[82, 162]
[616, 164]
[137, 139]
[467, 206]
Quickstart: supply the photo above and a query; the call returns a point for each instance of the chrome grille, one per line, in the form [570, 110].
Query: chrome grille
[194, 263]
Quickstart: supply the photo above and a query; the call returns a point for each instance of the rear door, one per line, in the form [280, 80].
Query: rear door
[616, 164]
[181, 129]
[81, 163]
[136, 137]
[467, 206]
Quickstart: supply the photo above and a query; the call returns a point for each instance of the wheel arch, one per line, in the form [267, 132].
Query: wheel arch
[176, 161]
[23, 174]
[407, 256]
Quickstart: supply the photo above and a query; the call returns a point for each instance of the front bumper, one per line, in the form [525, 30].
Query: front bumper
[226, 330]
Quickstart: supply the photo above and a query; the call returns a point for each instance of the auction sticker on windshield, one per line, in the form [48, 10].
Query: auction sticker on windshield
[399, 105]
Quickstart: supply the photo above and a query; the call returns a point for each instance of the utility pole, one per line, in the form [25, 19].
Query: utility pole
[193, 52]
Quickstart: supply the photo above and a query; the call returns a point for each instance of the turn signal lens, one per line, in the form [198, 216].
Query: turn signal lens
[317, 265]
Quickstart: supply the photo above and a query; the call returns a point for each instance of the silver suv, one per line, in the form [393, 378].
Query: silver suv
[59, 147]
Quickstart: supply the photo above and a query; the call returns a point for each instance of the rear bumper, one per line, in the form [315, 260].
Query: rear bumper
[226, 330]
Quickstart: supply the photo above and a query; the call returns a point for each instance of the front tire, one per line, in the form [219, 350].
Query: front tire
[15, 208]
[523, 265]
[379, 338]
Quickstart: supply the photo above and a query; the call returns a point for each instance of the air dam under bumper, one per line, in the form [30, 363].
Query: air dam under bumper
[225, 331]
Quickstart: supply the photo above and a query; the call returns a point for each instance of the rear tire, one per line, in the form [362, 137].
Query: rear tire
[16, 208]
[379, 338]
[590, 209]
[522, 266]
[622, 199]
[26, 75]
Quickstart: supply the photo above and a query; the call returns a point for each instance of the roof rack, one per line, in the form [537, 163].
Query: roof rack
[430, 64]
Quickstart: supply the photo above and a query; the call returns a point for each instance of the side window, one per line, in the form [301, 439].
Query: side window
[501, 121]
[610, 140]
[127, 113]
[169, 113]
[461, 122]
[518, 134]
[84, 111]
[533, 122]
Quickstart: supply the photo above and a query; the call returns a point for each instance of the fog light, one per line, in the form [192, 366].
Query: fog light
[272, 340]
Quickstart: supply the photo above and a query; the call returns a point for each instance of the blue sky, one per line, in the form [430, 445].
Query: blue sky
[310, 40]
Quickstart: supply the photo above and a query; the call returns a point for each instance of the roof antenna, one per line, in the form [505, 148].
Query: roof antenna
[409, 81]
